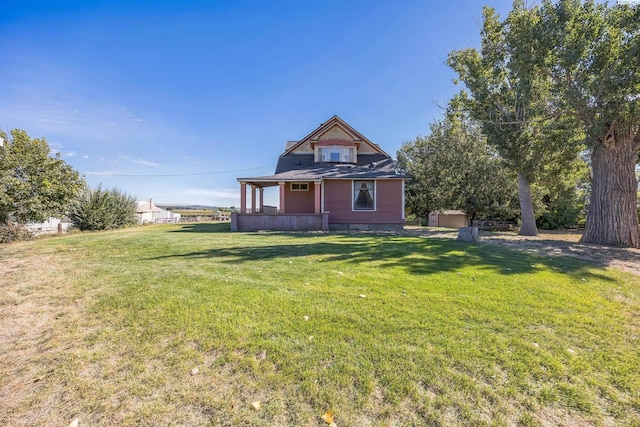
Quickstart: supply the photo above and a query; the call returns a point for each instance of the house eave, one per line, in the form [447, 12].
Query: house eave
[321, 178]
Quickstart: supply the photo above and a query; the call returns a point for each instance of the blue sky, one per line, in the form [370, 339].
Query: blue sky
[174, 100]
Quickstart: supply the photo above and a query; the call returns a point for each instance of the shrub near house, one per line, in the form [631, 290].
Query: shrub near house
[102, 210]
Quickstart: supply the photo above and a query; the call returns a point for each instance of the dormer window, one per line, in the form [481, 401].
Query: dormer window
[336, 154]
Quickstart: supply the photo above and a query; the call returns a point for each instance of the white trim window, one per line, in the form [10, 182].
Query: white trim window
[336, 154]
[299, 186]
[364, 196]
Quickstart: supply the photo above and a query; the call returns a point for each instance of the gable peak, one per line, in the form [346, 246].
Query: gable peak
[333, 129]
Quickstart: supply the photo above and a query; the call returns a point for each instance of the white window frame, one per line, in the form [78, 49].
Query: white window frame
[353, 195]
[302, 186]
[341, 149]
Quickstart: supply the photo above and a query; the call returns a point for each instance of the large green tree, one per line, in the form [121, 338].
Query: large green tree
[591, 52]
[33, 184]
[454, 168]
[511, 98]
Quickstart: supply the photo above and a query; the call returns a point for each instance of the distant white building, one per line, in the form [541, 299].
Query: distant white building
[50, 226]
[148, 213]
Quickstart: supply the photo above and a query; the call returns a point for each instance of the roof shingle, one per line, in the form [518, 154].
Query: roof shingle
[300, 167]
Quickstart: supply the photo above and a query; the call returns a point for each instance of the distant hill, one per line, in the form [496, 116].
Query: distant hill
[183, 207]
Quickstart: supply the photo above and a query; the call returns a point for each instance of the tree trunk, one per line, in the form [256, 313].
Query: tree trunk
[471, 219]
[528, 218]
[612, 218]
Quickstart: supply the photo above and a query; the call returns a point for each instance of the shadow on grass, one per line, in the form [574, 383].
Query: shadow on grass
[596, 254]
[204, 227]
[414, 254]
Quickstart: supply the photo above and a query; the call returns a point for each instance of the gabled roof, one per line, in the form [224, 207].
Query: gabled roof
[333, 121]
[143, 206]
[299, 165]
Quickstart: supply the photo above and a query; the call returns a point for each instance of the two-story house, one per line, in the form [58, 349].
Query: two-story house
[333, 178]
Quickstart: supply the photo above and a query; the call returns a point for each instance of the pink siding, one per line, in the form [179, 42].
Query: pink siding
[338, 202]
[299, 201]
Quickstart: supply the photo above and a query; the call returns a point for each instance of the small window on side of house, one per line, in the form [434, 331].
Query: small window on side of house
[299, 186]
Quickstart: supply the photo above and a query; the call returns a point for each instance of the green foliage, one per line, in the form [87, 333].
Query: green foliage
[453, 168]
[590, 52]
[33, 185]
[564, 209]
[564, 194]
[511, 98]
[102, 210]
[14, 233]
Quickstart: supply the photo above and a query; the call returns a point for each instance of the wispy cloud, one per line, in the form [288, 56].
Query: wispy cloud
[190, 159]
[145, 163]
[72, 110]
[215, 194]
[55, 146]
[103, 173]
[105, 135]
[141, 162]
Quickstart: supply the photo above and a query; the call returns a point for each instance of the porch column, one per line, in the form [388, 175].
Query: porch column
[243, 197]
[261, 199]
[253, 199]
[402, 207]
[282, 189]
[317, 186]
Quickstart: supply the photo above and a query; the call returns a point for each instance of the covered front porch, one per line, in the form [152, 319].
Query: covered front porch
[300, 206]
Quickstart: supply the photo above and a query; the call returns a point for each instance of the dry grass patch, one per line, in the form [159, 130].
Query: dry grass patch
[40, 310]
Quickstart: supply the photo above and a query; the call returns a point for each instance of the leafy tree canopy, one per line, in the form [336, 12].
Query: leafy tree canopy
[34, 184]
[590, 52]
[454, 168]
[512, 100]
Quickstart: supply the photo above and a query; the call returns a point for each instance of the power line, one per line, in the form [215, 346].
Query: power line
[171, 174]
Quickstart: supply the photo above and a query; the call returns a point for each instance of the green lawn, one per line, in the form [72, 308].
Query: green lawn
[378, 329]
